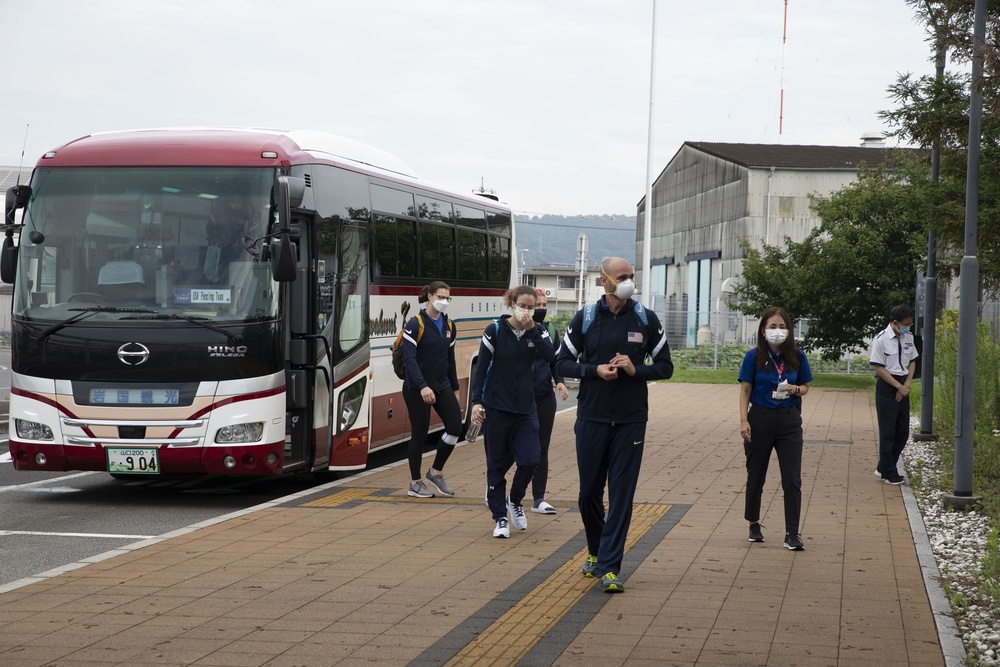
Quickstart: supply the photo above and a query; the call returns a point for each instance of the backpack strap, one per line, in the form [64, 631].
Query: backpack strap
[640, 310]
[588, 316]
[552, 331]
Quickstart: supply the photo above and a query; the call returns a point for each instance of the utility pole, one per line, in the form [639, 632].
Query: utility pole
[581, 266]
[930, 289]
[965, 378]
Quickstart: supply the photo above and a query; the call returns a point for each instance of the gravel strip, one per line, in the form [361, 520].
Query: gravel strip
[958, 540]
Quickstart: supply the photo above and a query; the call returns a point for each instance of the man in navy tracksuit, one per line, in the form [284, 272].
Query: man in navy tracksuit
[606, 347]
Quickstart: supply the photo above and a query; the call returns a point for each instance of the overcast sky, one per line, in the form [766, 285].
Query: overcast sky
[546, 101]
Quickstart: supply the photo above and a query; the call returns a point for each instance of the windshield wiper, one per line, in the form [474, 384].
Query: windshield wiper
[85, 313]
[200, 321]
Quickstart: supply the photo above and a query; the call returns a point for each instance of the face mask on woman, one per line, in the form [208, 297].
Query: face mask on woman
[440, 306]
[776, 336]
[518, 313]
[539, 315]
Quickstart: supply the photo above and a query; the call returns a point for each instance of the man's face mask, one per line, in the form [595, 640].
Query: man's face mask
[623, 290]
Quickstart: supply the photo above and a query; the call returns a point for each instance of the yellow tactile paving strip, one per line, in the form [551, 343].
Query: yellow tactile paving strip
[351, 495]
[507, 641]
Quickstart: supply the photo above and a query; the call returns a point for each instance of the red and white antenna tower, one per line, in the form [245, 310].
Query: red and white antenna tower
[781, 106]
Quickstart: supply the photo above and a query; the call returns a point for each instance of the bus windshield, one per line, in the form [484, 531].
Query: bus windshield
[170, 241]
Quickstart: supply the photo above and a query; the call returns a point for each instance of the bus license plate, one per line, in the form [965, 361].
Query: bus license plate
[133, 460]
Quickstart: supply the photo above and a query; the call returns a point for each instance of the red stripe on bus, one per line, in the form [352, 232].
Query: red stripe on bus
[51, 403]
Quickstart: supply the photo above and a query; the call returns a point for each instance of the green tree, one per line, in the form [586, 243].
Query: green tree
[846, 275]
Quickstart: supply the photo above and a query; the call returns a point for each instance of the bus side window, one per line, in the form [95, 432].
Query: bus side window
[352, 289]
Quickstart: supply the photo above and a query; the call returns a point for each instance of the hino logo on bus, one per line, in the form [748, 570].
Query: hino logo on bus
[133, 354]
[227, 350]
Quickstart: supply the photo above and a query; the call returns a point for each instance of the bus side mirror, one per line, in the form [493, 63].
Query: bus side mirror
[17, 197]
[283, 259]
[282, 248]
[8, 261]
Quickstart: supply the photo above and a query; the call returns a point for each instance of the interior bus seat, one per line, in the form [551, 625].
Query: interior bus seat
[122, 281]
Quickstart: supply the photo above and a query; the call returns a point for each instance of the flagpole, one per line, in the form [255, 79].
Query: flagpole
[647, 225]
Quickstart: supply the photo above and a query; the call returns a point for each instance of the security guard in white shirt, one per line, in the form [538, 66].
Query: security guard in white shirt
[894, 359]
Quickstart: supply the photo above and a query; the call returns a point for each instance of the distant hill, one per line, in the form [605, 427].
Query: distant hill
[551, 239]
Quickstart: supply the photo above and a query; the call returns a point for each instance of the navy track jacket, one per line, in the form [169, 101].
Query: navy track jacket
[545, 371]
[625, 399]
[431, 363]
[505, 379]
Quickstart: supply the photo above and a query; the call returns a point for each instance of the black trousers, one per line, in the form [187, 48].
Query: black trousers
[511, 436]
[545, 404]
[446, 405]
[893, 425]
[781, 430]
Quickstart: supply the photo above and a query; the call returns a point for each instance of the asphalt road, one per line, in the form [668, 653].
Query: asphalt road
[48, 520]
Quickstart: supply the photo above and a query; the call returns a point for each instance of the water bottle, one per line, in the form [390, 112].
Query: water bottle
[474, 428]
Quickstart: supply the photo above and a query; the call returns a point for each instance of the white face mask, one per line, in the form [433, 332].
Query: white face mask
[776, 336]
[440, 306]
[625, 289]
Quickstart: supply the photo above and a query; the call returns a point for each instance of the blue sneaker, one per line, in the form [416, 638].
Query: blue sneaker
[610, 583]
[590, 567]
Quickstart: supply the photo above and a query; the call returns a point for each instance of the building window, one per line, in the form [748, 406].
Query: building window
[698, 298]
[568, 282]
[529, 279]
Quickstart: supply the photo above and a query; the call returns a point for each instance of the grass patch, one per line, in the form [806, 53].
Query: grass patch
[829, 380]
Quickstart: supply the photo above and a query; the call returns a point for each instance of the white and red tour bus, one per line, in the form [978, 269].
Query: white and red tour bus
[222, 301]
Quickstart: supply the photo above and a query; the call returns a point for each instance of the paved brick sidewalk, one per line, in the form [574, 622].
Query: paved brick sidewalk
[358, 573]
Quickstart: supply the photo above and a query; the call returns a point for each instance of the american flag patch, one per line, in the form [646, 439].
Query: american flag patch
[634, 337]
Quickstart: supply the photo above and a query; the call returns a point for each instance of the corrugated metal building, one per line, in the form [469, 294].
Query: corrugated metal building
[711, 195]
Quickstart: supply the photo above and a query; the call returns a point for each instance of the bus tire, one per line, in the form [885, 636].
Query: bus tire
[327, 476]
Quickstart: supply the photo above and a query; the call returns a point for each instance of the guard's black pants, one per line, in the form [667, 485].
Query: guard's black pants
[893, 426]
[781, 430]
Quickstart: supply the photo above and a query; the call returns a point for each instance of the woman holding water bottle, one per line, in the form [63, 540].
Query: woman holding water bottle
[503, 400]
[773, 379]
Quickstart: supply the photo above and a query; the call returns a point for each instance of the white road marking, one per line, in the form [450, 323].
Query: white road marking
[30, 485]
[5, 458]
[46, 534]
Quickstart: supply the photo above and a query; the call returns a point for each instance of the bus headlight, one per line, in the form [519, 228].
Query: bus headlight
[29, 430]
[350, 405]
[238, 433]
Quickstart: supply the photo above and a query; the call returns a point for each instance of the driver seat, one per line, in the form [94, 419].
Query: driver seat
[121, 281]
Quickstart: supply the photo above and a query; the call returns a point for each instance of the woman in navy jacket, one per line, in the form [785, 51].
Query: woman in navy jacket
[431, 380]
[504, 385]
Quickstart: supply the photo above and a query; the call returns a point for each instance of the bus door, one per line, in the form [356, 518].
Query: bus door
[349, 330]
[307, 419]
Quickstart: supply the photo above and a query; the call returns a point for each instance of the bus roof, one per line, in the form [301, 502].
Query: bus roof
[234, 147]
[218, 146]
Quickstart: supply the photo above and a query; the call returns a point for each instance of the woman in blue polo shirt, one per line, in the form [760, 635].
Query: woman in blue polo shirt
[773, 379]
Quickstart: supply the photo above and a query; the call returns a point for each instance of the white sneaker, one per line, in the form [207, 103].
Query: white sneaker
[502, 529]
[878, 474]
[517, 516]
